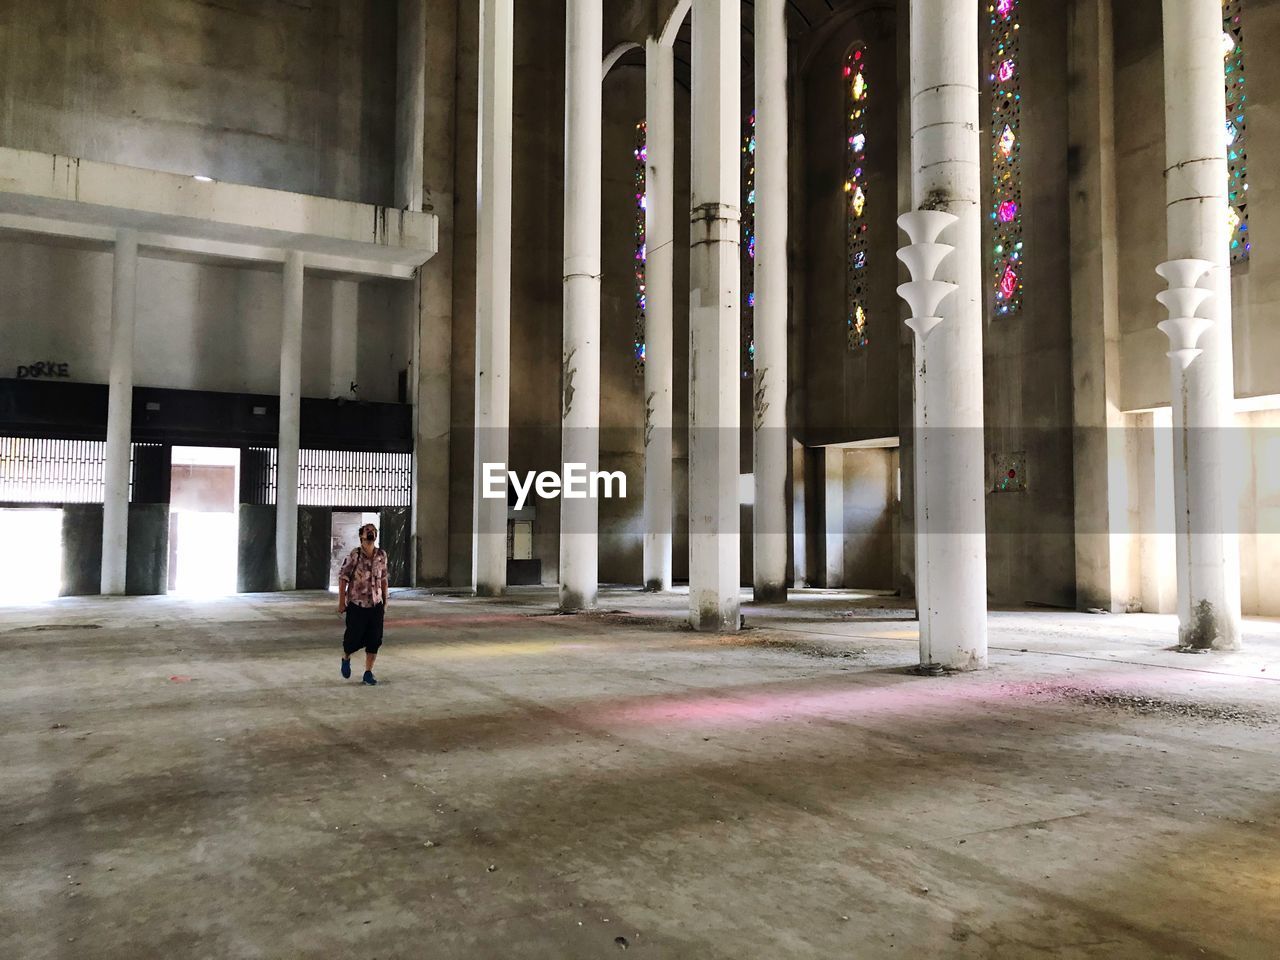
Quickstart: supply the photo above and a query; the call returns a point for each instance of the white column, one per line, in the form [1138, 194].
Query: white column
[493, 291]
[714, 318]
[411, 103]
[343, 339]
[1196, 183]
[951, 577]
[772, 447]
[115, 508]
[290, 422]
[580, 357]
[659, 339]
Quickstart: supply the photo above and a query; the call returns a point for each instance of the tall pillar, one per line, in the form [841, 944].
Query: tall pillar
[411, 102]
[772, 447]
[714, 318]
[431, 378]
[659, 338]
[951, 563]
[343, 339]
[115, 509]
[580, 358]
[493, 291]
[290, 420]
[1203, 385]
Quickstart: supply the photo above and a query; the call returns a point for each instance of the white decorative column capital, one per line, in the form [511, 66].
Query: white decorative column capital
[923, 256]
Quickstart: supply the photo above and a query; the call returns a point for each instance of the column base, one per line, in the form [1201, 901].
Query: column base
[489, 590]
[655, 586]
[770, 593]
[711, 620]
[571, 601]
[1206, 632]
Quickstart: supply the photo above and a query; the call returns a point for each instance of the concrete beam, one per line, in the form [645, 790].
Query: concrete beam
[84, 199]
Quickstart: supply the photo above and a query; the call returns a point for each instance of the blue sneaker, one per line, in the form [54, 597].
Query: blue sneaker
[346, 669]
[368, 678]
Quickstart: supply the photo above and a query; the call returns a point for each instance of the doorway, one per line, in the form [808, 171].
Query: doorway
[203, 527]
[31, 568]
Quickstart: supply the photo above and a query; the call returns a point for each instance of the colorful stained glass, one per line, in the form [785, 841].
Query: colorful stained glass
[1236, 130]
[748, 257]
[1005, 80]
[856, 199]
[641, 256]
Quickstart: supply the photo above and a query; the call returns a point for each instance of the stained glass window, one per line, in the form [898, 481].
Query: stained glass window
[856, 192]
[748, 244]
[641, 243]
[1005, 79]
[1236, 131]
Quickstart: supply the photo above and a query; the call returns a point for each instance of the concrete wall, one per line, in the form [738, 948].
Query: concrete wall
[81, 549]
[870, 482]
[1027, 357]
[199, 327]
[1260, 514]
[294, 96]
[848, 395]
[147, 561]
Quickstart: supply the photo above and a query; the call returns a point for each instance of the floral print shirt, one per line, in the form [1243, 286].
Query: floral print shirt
[365, 575]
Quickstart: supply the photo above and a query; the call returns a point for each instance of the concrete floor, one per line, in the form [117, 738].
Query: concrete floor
[194, 780]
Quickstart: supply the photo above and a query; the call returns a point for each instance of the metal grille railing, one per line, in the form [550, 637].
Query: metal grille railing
[341, 478]
[34, 470]
[258, 475]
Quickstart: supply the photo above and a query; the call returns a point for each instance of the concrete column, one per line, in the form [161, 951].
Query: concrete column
[659, 338]
[290, 421]
[431, 379]
[343, 339]
[580, 358]
[1104, 573]
[493, 291]
[1196, 182]
[115, 508]
[714, 318]
[411, 102]
[771, 448]
[833, 516]
[951, 571]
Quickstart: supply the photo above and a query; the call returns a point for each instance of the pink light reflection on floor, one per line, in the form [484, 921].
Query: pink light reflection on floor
[751, 708]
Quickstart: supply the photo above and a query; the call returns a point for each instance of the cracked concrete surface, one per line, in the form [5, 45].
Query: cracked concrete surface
[194, 779]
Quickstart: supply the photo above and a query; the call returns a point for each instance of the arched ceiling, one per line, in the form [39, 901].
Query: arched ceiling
[626, 17]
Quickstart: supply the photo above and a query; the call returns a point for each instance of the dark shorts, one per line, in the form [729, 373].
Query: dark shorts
[364, 629]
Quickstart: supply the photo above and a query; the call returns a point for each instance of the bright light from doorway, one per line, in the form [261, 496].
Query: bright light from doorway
[31, 564]
[204, 524]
